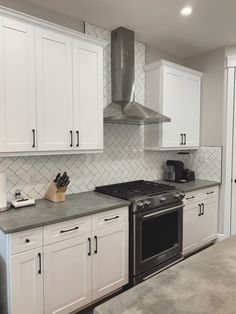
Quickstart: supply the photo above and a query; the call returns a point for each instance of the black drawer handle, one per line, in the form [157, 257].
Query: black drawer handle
[203, 209]
[210, 192]
[200, 210]
[71, 138]
[96, 245]
[108, 219]
[182, 139]
[69, 230]
[33, 131]
[89, 241]
[189, 198]
[77, 133]
[185, 139]
[40, 263]
[27, 240]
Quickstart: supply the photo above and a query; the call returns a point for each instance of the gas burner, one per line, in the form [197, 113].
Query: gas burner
[133, 189]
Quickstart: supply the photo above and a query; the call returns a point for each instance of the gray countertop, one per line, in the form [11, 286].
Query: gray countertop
[192, 185]
[75, 206]
[46, 212]
[203, 283]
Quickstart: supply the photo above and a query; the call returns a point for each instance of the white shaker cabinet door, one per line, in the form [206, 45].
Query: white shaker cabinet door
[54, 90]
[172, 101]
[110, 259]
[26, 290]
[210, 220]
[67, 275]
[17, 86]
[192, 228]
[190, 110]
[88, 95]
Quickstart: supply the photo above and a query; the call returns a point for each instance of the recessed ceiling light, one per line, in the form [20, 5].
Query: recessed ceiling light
[186, 11]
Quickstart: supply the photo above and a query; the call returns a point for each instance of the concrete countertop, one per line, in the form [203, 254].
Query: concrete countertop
[203, 283]
[46, 212]
[192, 185]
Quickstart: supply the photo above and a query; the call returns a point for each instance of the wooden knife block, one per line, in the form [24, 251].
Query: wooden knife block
[55, 194]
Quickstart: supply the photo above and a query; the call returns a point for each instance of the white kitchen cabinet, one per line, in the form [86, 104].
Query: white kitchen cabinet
[173, 90]
[110, 259]
[88, 95]
[59, 268]
[17, 86]
[192, 227]
[54, 90]
[200, 219]
[67, 275]
[51, 88]
[26, 289]
[210, 220]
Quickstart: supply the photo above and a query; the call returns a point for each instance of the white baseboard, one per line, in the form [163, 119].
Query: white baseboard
[222, 236]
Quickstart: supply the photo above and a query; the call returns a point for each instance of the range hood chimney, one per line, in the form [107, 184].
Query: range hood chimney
[124, 109]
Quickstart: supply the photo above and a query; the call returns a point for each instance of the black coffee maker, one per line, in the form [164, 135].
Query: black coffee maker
[176, 172]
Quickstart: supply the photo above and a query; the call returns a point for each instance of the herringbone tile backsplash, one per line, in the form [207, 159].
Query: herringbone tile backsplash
[123, 158]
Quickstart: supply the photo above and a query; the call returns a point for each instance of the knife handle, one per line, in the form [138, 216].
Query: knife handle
[71, 138]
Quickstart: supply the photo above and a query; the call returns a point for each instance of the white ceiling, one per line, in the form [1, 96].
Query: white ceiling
[158, 23]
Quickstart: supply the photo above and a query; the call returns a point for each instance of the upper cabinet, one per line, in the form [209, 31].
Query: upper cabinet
[17, 86]
[51, 88]
[174, 91]
[54, 90]
[88, 97]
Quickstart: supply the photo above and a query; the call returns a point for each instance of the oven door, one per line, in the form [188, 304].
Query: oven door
[157, 237]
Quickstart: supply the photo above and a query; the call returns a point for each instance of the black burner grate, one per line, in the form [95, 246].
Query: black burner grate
[129, 190]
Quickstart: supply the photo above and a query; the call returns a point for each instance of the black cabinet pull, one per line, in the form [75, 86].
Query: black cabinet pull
[108, 219]
[96, 245]
[185, 139]
[33, 131]
[69, 230]
[210, 192]
[77, 133]
[203, 209]
[181, 139]
[71, 138]
[200, 210]
[40, 263]
[189, 198]
[89, 241]
[27, 240]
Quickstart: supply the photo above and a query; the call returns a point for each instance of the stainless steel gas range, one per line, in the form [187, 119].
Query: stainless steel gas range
[156, 221]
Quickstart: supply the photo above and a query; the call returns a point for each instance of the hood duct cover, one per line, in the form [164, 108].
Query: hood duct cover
[124, 109]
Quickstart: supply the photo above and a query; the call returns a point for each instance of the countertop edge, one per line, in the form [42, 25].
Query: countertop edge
[51, 222]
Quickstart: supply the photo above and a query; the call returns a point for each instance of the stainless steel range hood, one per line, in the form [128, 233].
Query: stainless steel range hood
[124, 109]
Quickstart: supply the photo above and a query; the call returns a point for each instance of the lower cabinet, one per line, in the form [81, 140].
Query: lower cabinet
[63, 267]
[110, 260]
[26, 286]
[67, 275]
[200, 219]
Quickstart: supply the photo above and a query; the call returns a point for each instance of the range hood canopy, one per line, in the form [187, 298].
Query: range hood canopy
[124, 109]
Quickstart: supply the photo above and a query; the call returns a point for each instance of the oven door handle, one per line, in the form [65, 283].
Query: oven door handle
[162, 211]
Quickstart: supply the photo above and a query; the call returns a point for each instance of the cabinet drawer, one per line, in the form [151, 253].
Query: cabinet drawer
[210, 192]
[110, 218]
[25, 240]
[66, 230]
[191, 197]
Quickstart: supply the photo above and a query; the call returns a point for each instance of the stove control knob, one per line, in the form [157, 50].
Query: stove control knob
[176, 195]
[147, 202]
[140, 204]
[162, 198]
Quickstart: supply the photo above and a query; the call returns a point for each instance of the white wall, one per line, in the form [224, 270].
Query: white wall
[212, 110]
[153, 55]
[43, 13]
